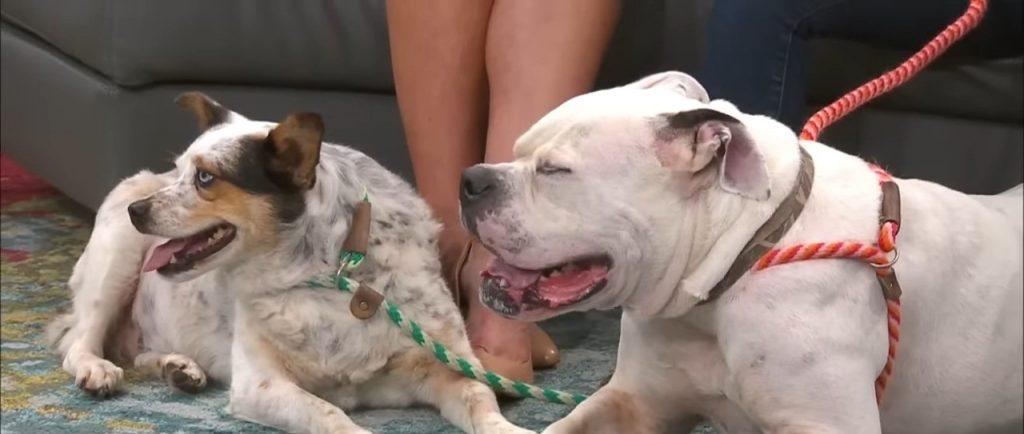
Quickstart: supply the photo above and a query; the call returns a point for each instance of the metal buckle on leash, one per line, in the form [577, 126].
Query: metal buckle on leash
[343, 265]
[887, 277]
[895, 257]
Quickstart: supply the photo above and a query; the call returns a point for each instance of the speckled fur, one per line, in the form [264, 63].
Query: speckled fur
[294, 356]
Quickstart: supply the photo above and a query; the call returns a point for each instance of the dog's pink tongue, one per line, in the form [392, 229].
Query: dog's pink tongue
[517, 278]
[163, 253]
[567, 286]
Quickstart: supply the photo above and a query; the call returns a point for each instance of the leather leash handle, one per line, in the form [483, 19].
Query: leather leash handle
[365, 300]
[359, 233]
[890, 212]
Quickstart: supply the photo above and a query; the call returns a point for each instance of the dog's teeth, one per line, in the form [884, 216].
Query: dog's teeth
[555, 272]
[174, 258]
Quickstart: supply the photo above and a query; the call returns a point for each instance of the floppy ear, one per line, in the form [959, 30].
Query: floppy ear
[692, 141]
[207, 111]
[685, 84]
[293, 149]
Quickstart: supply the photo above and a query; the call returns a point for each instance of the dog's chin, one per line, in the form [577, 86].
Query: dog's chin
[185, 258]
[534, 295]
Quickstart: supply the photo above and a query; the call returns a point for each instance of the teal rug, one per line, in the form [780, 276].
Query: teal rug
[42, 235]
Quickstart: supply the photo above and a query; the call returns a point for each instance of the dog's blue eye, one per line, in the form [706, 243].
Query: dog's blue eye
[547, 169]
[204, 178]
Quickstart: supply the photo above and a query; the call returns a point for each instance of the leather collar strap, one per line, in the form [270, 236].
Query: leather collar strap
[772, 230]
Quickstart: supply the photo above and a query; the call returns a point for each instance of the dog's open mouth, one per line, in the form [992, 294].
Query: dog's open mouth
[509, 290]
[182, 254]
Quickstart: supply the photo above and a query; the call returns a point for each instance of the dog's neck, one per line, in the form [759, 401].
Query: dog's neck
[309, 245]
[715, 227]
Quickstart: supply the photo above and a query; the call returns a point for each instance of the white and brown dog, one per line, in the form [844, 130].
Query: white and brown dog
[201, 271]
[643, 196]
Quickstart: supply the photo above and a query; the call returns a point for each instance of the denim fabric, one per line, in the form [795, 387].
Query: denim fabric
[757, 50]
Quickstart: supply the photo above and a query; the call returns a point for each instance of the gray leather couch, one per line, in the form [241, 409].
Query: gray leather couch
[87, 86]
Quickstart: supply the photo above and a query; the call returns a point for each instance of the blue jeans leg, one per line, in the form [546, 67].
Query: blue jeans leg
[756, 53]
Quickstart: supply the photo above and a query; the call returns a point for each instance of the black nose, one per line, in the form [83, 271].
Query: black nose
[138, 212]
[477, 183]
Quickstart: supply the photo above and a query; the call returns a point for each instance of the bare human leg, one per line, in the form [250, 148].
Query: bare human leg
[538, 54]
[437, 51]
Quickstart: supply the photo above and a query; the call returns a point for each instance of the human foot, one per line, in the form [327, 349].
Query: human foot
[502, 345]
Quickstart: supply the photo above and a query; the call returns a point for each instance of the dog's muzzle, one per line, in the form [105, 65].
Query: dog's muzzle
[481, 190]
[138, 212]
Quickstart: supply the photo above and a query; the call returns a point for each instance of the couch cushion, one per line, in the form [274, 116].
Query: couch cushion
[134, 43]
[955, 85]
[339, 44]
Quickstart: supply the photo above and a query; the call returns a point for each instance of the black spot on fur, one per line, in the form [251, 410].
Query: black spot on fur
[223, 320]
[809, 358]
[757, 362]
[175, 374]
[403, 221]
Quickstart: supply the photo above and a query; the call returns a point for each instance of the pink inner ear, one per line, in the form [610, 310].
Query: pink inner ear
[693, 157]
[744, 171]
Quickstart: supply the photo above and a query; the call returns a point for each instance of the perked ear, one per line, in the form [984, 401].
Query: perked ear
[692, 139]
[294, 150]
[683, 83]
[207, 111]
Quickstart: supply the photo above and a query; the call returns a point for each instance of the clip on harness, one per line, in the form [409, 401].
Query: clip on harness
[366, 301]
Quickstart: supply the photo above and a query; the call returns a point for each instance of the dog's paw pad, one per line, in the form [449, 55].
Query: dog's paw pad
[184, 374]
[99, 378]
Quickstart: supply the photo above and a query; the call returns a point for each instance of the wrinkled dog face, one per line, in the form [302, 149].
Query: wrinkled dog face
[236, 185]
[574, 217]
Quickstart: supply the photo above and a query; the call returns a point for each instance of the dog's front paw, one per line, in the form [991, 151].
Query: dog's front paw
[499, 425]
[98, 377]
[512, 429]
[183, 373]
[348, 429]
[563, 427]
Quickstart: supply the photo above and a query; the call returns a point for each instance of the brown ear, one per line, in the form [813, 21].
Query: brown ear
[294, 147]
[208, 112]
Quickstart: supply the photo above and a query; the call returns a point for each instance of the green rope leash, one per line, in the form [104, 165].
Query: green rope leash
[350, 260]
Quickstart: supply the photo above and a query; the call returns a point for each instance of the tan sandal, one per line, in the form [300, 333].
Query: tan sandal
[544, 353]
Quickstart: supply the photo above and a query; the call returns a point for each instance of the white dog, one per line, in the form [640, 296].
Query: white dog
[201, 271]
[642, 197]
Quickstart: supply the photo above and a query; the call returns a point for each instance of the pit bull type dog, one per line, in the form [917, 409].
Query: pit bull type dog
[643, 196]
[202, 270]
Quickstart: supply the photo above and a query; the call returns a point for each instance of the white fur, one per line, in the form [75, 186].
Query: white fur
[294, 356]
[791, 349]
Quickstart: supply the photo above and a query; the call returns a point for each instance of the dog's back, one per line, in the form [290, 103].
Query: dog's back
[961, 268]
[1009, 202]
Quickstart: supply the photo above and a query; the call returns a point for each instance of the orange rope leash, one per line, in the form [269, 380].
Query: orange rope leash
[877, 254]
[896, 77]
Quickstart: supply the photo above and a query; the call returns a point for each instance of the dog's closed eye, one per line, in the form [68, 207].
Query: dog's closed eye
[551, 169]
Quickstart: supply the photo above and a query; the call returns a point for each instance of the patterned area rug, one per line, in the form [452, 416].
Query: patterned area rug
[42, 235]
